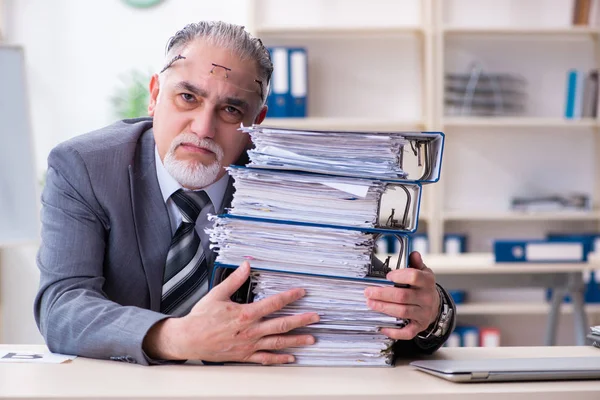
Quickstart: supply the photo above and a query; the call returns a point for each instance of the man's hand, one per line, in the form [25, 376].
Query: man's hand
[218, 329]
[420, 303]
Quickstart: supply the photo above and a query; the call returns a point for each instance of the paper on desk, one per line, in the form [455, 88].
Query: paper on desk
[19, 356]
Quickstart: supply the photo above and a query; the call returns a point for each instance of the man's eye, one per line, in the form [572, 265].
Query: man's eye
[232, 110]
[187, 97]
[232, 115]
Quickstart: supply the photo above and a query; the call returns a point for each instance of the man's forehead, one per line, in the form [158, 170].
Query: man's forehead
[200, 61]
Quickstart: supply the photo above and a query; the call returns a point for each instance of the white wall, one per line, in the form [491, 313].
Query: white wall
[75, 52]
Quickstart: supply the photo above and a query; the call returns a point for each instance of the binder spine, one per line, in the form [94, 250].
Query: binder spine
[277, 102]
[298, 66]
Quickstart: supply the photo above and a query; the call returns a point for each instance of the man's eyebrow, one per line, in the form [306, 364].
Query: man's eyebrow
[198, 91]
[190, 87]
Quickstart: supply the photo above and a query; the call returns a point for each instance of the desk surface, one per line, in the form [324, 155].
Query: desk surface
[85, 378]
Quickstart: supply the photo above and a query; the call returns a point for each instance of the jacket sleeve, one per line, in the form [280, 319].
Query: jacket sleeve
[71, 310]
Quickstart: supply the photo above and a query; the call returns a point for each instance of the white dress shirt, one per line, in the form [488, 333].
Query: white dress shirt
[168, 186]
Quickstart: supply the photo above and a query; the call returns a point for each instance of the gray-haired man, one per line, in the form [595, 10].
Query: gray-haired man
[124, 259]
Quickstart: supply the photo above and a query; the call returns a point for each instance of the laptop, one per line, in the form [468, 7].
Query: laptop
[512, 369]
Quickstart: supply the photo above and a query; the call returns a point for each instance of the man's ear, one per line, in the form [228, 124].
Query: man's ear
[154, 88]
[261, 115]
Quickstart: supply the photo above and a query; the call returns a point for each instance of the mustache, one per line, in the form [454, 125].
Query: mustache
[196, 141]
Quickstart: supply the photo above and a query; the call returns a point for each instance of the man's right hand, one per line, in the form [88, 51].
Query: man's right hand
[218, 329]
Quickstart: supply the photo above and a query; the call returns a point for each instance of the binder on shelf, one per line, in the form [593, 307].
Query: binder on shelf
[455, 243]
[590, 95]
[298, 68]
[489, 337]
[573, 105]
[539, 251]
[419, 242]
[469, 335]
[277, 100]
[591, 279]
[454, 340]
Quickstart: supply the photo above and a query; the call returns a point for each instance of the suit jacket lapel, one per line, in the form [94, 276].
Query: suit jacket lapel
[150, 216]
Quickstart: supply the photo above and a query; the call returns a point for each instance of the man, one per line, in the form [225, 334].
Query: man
[124, 259]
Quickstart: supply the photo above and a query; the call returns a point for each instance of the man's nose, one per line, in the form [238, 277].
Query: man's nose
[204, 124]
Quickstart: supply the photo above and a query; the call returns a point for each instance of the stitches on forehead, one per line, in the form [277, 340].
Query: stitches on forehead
[177, 57]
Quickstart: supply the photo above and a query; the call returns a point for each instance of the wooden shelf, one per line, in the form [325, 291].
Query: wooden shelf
[518, 122]
[530, 31]
[344, 124]
[318, 32]
[521, 216]
[517, 308]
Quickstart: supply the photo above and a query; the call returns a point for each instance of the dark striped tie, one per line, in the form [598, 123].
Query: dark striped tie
[186, 269]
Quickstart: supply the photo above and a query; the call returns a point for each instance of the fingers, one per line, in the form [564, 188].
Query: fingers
[416, 261]
[266, 358]
[406, 333]
[275, 326]
[273, 303]
[414, 277]
[280, 342]
[404, 311]
[226, 289]
[392, 295]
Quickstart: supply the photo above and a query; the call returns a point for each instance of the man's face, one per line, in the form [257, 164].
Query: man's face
[197, 114]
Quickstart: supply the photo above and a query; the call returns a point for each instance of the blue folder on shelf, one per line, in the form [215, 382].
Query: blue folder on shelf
[298, 67]
[278, 98]
[540, 251]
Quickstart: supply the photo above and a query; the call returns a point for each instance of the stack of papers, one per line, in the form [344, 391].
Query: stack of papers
[338, 153]
[309, 198]
[292, 248]
[307, 212]
[347, 333]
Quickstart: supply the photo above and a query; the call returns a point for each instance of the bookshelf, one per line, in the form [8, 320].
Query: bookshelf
[517, 307]
[384, 70]
[381, 65]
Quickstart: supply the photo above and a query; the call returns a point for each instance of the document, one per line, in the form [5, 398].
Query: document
[19, 356]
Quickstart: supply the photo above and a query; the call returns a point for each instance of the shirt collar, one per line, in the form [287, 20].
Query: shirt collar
[168, 184]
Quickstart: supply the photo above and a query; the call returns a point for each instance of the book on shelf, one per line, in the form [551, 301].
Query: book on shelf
[582, 94]
[308, 211]
[585, 12]
[289, 85]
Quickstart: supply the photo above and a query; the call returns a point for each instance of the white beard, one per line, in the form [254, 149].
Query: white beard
[193, 174]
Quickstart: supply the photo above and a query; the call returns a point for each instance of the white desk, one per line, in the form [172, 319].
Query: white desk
[85, 378]
[471, 271]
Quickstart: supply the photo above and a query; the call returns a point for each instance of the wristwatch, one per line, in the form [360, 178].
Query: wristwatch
[441, 325]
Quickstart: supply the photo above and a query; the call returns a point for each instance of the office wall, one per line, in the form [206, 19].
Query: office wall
[75, 51]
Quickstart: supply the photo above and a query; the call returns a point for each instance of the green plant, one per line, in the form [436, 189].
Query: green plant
[131, 98]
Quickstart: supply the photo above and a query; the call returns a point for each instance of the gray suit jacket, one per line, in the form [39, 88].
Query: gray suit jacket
[105, 237]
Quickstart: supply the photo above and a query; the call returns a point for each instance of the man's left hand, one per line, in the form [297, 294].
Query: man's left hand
[420, 303]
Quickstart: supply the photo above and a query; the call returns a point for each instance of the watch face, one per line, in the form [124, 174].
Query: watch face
[142, 3]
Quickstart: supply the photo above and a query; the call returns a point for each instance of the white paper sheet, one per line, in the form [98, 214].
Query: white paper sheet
[19, 356]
